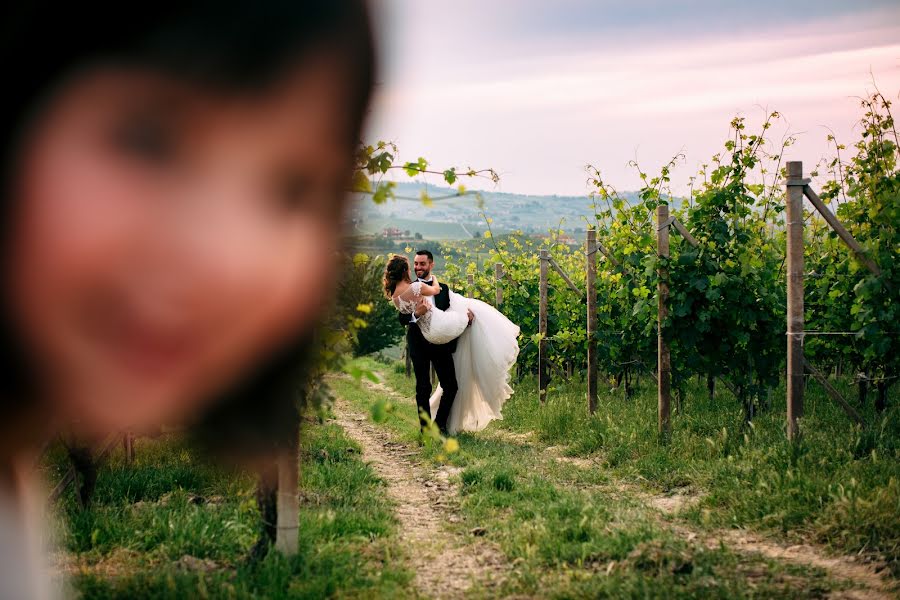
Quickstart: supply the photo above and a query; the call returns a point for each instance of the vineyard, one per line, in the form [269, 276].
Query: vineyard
[732, 298]
[724, 282]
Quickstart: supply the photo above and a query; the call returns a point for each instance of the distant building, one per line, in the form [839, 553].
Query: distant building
[392, 232]
[563, 239]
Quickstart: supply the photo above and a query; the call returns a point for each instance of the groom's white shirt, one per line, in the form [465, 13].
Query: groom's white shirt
[428, 299]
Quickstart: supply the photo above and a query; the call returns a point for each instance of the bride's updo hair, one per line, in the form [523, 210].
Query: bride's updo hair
[395, 271]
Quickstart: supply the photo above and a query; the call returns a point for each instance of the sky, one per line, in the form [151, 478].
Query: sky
[537, 89]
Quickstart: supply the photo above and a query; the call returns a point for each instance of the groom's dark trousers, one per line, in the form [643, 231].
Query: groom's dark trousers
[424, 354]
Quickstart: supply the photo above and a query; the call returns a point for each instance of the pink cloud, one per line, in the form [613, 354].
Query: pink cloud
[540, 117]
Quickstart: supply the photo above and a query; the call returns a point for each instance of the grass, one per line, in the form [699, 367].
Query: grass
[839, 486]
[571, 531]
[431, 230]
[565, 530]
[169, 504]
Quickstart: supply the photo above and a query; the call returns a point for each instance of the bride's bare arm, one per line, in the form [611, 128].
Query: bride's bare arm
[431, 290]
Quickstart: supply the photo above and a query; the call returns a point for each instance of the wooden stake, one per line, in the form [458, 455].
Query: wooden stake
[842, 232]
[835, 395]
[128, 443]
[664, 359]
[565, 277]
[685, 233]
[470, 282]
[794, 214]
[609, 255]
[288, 530]
[543, 375]
[498, 277]
[590, 285]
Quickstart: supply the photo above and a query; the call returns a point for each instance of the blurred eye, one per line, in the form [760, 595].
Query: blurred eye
[146, 138]
[298, 193]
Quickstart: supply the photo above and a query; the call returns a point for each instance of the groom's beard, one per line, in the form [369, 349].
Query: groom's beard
[426, 275]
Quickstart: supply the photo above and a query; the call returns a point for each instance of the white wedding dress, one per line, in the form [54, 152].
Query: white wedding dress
[485, 352]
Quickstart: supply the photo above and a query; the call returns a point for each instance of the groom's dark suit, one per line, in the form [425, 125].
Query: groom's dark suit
[423, 354]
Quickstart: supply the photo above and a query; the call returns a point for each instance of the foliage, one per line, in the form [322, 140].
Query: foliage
[348, 330]
[727, 305]
[726, 310]
[375, 161]
[726, 296]
[360, 295]
[843, 296]
[838, 487]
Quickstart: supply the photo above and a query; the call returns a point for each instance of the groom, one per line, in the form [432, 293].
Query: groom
[423, 353]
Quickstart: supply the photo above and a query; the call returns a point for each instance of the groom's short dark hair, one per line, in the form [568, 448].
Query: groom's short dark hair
[425, 253]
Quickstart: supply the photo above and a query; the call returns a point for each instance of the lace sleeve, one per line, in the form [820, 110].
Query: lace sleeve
[412, 293]
[406, 301]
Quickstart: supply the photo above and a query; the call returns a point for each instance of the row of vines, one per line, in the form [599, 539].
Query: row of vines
[727, 295]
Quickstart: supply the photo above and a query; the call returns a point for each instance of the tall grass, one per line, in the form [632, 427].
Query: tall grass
[169, 504]
[569, 530]
[839, 485]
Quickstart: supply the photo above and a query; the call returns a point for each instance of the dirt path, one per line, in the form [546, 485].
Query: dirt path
[447, 564]
[865, 576]
[840, 567]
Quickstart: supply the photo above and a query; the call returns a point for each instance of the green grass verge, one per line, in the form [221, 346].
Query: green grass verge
[145, 518]
[838, 486]
[569, 531]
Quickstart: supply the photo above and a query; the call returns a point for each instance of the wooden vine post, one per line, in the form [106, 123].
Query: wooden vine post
[794, 214]
[543, 376]
[128, 445]
[591, 289]
[498, 276]
[470, 283]
[840, 230]
[287, 531]
[664, 359]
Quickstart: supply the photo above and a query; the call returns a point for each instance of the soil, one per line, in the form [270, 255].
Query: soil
[425, 504]
[447, 561]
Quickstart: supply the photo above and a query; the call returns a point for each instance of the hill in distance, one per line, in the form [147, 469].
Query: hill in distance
[462, 218]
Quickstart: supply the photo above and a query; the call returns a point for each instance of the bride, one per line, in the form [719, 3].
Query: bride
[485, 350]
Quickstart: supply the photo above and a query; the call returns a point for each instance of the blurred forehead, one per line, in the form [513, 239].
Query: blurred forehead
[309, 101]
[421, 258]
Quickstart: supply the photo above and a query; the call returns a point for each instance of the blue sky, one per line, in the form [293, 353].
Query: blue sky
[539, 89]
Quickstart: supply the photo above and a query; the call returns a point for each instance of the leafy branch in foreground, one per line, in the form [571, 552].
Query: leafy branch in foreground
[361, 321]
[373, 162]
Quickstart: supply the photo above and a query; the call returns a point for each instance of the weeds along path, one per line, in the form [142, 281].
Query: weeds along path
[447, 564]
[865, 577]
[871, 584]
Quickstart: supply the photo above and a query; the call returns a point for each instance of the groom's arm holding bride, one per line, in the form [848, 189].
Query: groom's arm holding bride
[406, 318]
[427, 290]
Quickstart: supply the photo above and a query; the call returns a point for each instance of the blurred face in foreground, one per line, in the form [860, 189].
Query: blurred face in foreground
[166, 236]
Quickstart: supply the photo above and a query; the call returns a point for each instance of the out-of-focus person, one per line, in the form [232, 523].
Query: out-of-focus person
[174, 181]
